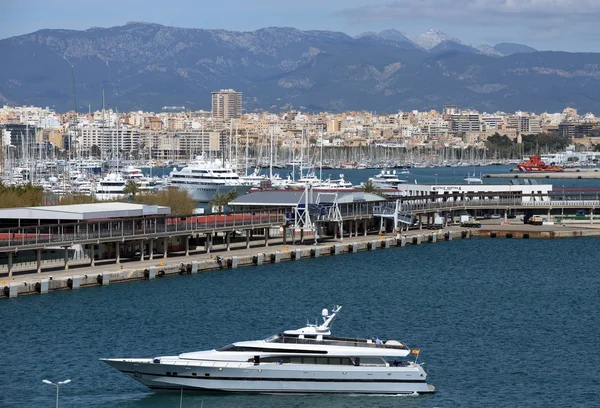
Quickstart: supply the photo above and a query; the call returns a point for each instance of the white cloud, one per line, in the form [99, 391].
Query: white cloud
[479, 12]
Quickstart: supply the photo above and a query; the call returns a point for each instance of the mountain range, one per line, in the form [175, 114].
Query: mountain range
[145, 66]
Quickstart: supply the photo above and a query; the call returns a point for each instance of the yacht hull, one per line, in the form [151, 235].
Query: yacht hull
[204, 192]
[276, 378]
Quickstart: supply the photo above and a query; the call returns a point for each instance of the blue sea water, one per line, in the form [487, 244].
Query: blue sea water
[500, 323]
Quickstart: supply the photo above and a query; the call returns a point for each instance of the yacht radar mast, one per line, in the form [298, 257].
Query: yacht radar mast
[323, 329]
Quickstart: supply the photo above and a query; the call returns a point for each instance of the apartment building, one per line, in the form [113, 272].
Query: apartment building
[226, 104]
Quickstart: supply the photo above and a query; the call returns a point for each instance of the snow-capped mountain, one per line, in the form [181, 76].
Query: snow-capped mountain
[394, 35]
[431, 38]
[487, 50]
[389, 35]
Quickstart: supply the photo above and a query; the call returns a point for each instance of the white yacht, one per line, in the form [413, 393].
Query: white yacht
[304, 361]
[387, 180]
[255, 179]
[204, 178]
[337, 184]
[111, 187]
[135, 174]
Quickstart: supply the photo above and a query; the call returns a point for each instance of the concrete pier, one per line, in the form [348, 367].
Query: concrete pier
[19, 283]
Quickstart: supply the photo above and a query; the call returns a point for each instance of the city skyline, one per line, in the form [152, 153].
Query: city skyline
[542, 24]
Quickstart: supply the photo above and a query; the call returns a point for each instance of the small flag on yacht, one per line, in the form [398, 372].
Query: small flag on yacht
[415, 351]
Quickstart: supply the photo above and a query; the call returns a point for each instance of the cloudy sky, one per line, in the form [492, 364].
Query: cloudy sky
[569, 25]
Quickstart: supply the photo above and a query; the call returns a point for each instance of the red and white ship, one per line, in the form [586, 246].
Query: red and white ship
[536, 164]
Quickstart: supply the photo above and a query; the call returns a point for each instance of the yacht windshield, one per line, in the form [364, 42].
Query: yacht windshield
[272, 339]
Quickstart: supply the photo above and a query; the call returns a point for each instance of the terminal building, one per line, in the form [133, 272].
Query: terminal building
[98, 219]
[526, 192]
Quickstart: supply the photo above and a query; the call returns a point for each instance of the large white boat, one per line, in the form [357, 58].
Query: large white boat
[386, 180]
[110, 187]
[135, 174]
[304, 361]
[204, 178]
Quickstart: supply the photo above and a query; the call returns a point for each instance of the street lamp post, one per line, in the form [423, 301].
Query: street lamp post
[57, 385]
[562, 210]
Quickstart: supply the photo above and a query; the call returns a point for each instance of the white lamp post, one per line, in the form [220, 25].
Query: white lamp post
[57, 385]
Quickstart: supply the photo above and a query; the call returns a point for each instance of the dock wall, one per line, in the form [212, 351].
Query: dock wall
[224, 260]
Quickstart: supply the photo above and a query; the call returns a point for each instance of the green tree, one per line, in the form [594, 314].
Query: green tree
[132, 188]
[179, 200]
[26, 195]
[232, 195]
[219, 201]
[369, 187]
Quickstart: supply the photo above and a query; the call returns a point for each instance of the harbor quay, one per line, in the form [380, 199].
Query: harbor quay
[568, 174]
[220, 257]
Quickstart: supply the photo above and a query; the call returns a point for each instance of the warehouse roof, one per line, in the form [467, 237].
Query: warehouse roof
[286, 198]
[80, 212]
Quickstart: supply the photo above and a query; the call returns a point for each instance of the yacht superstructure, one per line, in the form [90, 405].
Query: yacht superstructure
[387, 180]
[110, 187]
[304, 361]
[204, 178]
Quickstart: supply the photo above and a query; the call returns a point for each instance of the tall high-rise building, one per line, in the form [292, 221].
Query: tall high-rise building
[226, 104]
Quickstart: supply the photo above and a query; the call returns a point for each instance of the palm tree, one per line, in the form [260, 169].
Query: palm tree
[369, 187]
[221, 200]
[132, 188]
[218, 201]
[232, 195]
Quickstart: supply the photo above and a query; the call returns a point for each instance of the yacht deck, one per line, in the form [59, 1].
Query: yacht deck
[333, 341]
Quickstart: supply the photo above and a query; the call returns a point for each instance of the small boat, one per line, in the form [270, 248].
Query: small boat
[308, 360]
[473, 179]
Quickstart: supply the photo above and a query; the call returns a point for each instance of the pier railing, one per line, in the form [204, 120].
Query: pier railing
[416, 206]
[135, 228]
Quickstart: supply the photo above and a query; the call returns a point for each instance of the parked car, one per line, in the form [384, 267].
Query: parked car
[496, 216]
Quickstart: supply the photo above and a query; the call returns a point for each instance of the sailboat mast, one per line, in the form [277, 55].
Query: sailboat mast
[246, 152]
[271, 153]
[236, 146]
[230, 139]
[321, 165]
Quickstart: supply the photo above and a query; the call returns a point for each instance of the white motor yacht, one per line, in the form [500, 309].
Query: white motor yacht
[111, 187]
[135, 174]
[304, 361]
[386, 180]
[255, 179]
[203, 179]
[337, 184]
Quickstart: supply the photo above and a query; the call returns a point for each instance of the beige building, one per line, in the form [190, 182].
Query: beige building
[226, 104]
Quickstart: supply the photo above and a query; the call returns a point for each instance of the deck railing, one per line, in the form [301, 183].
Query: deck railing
[129, 229]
